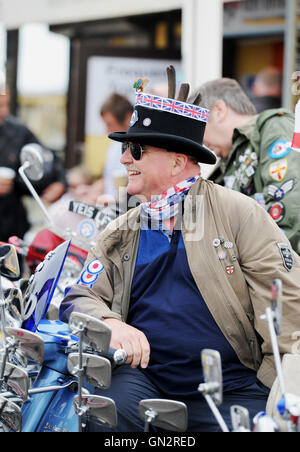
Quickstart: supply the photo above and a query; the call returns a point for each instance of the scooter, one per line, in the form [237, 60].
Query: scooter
[71, 360]
[66, 355]
[289, 405]
[59, 400]
[88, 221]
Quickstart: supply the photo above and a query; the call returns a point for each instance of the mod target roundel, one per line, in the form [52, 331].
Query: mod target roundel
[91, 273]
[95, 267]
[88, 278]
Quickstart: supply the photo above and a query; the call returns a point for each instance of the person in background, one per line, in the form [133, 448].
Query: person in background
[266, 89]
[116, 112]
[80, 184]
[13, 136]
[255, 152]
[81, 189]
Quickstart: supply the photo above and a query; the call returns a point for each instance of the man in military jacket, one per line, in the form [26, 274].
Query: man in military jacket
[255, 152]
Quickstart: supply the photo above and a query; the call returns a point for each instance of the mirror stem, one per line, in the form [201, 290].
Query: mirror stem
[80, 377]
[3, 366]
[2, 314]
[33, 192]
[270, 316]
[216, 413]
[150, 415]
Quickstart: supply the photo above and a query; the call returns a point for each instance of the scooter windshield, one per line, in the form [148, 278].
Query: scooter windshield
[84, 220]
[42, 286]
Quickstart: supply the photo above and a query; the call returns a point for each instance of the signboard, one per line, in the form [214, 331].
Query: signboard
[242, 17]
[65, 11]
[107, 75]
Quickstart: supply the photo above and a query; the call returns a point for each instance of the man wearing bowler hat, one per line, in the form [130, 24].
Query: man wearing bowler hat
[190, 268]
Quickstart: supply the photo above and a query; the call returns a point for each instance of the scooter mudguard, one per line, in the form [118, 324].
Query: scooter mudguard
[52, 410]
[37, 411]
[60, 415]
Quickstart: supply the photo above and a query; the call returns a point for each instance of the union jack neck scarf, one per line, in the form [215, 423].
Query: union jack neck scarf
[166, 205]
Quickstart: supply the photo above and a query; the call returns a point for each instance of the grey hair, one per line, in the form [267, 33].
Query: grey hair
[228, 90]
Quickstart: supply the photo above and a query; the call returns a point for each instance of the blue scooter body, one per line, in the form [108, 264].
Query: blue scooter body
[52, 411]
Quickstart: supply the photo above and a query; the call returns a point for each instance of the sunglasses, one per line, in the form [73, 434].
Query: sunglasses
[136, 149]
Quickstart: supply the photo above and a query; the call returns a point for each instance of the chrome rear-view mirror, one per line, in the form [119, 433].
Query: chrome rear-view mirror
[166, 414]
[10, 414]
[94, 332]
[96, 369]
[30, 344]
[97, 409]
[212, 371]
[9, 263]
[16, 380]
[31, 157]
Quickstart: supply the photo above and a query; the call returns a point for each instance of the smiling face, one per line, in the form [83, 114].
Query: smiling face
[152, 174]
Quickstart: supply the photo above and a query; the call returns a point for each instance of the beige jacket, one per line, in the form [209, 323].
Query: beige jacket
[235, 300]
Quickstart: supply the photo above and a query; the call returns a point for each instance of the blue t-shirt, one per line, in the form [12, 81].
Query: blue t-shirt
[167, 306]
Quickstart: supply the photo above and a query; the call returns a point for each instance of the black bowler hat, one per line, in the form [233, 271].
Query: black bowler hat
[168, 123]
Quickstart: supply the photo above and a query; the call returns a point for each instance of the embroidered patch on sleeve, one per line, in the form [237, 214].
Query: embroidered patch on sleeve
[278, 193]
[278, 170]
[277, 212]
[90, 275]
[279, 149]
[287, 256]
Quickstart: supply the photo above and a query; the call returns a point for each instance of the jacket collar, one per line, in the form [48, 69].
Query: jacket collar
[240, 136]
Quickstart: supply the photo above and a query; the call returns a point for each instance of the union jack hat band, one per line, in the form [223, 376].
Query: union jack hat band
[172, 106]
[168, 124]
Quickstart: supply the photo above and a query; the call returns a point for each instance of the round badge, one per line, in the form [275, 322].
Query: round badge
[88, 278]
[228, 245]
[87, 229]
[95, 267]
[147, 122]
[216, 243]
[279, 149]
[277, 212]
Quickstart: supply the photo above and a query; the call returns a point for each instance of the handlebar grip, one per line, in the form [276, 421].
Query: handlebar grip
[118, 356]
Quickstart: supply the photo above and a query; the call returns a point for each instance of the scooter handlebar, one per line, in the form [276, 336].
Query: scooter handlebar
[116, 356]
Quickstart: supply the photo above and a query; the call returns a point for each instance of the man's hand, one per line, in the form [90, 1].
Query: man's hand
[6, 186]
[130, 339]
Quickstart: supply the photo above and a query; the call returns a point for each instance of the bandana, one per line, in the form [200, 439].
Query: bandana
[166, 205]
